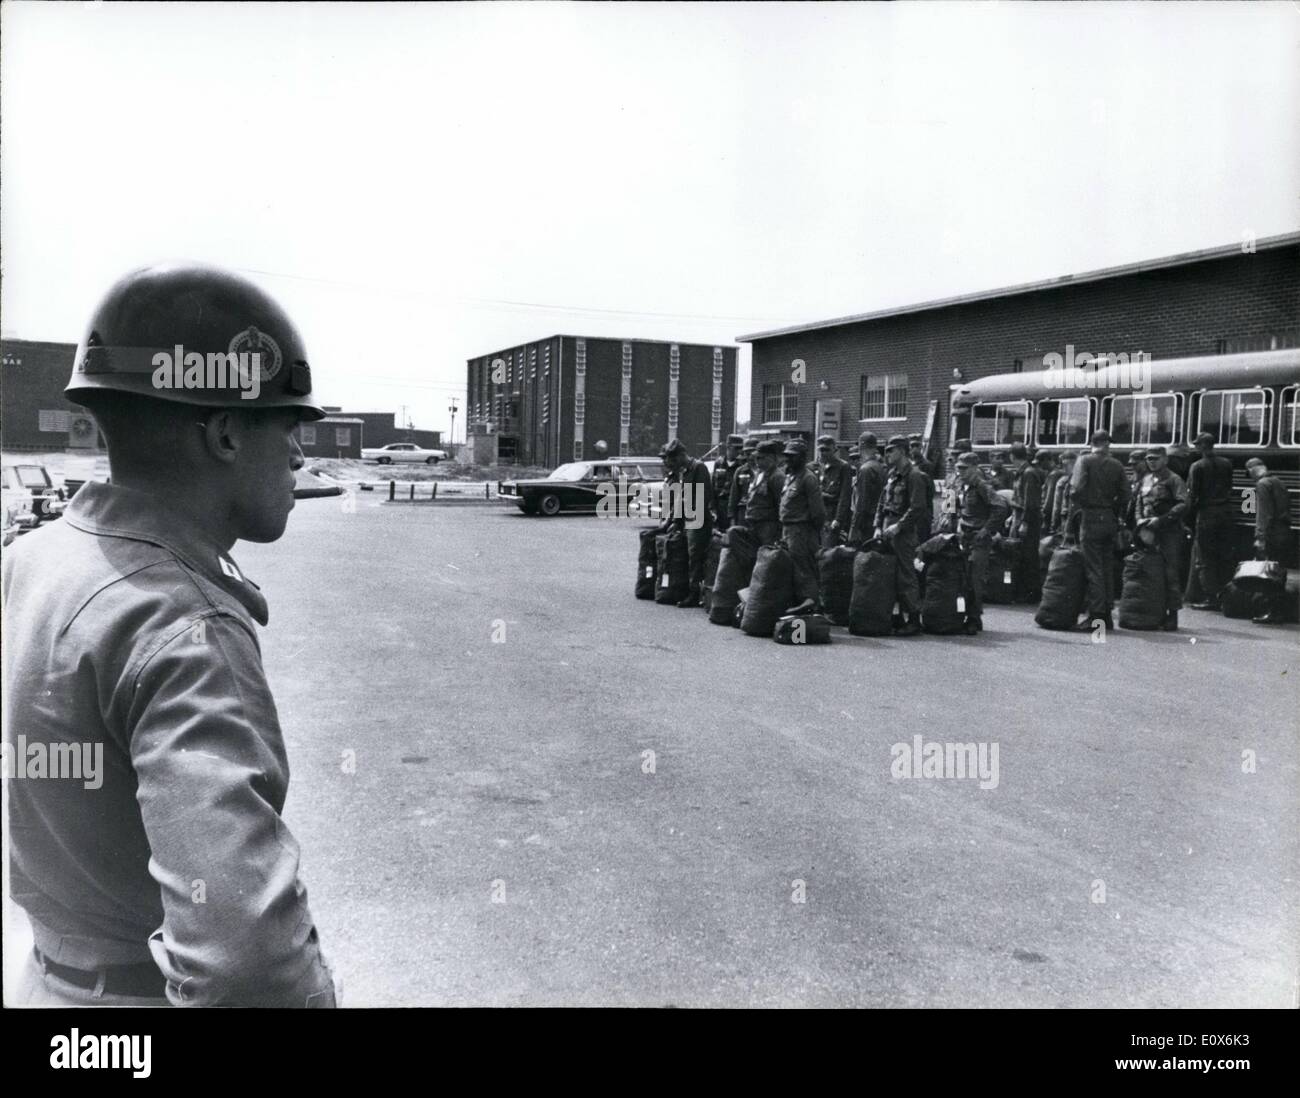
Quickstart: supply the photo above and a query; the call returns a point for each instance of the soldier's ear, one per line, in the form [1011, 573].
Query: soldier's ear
[223, 435]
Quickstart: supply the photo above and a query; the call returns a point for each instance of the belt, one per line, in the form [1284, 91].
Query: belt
[142, 980]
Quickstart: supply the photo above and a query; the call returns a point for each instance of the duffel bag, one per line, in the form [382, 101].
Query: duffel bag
[802, 629]
[871, 609]
[1000, 581]
[1261, 576]
[1065, 587]
[735, 566]
[647, 564]
[771, 590]
[674, 582]
[1046, 547]
[835, 574]
[1237, 602]
[942, 605]
[711, 560]
[1142, 598]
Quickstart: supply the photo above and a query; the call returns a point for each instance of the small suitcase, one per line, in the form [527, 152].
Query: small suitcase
[647, 564]
[1261, 576]
[802, 629]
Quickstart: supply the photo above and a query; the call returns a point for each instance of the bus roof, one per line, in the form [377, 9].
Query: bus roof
[1239, 371]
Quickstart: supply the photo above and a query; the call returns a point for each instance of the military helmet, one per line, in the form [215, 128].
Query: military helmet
[194, 335]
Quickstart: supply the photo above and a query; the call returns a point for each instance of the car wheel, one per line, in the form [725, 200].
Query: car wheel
[550, 505]
[430, 461]
[385, 461]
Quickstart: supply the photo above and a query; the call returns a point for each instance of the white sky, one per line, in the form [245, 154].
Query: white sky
[423, 183]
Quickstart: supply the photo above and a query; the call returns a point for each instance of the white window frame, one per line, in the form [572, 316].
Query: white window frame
[1180, 407]
[888, 388]
[784, 386]
[342, 436]
[1056, 442]
[997, 416]
[1287, 398]
[1267, 426]
[307, 434]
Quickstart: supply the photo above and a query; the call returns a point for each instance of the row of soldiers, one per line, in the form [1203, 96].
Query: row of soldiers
[888, 498]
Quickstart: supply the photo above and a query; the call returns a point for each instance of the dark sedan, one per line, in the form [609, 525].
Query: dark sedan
[577, 485]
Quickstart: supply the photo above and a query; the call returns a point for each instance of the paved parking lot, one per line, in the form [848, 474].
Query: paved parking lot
[479, 825]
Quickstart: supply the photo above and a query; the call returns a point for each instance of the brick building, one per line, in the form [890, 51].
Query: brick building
[885, 371]
[550, 401]
[380, 428]
[34, 413]
[335, 436]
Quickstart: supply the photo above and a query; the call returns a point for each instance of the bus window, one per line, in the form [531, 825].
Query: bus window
[1235, 417]
[1288, 432]
[1063, 422]
[1000, 424]
[1144, 420]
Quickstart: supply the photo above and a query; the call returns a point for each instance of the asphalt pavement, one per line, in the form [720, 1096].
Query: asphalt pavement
[469, 697]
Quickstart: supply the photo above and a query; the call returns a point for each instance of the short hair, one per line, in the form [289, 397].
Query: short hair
[1100, 438]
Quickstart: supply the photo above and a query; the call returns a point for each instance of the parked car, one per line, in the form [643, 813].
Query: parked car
[26, 487]
[402, 451]
[576, 486]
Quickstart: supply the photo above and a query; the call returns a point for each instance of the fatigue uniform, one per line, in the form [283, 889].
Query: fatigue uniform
[1209, 496]
[1273, 517]
[1027, 511]
[980, 514]
[1058, 517]
[738, 492]
[694, 475]
[1099, 495]
[903, 502]
[835, 479]
[126, 628]
[763, 506]
[802, 517]
[1162, 497]
[867, 486]
[723, 474]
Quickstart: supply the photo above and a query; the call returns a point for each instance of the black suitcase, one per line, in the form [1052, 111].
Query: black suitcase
[1142, 598]
[771, 590]
[802, 629]
[1065, 587]
[647, 564]
[871, 607]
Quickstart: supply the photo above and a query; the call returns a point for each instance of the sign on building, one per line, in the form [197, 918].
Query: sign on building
[829, 412]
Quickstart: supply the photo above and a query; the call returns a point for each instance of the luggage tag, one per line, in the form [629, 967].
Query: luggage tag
[1006, 577]
[961, 604]
[649, 571]
[664, 580]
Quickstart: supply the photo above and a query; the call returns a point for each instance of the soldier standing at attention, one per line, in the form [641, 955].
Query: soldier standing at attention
[868, 483]
[899, 518]
[916, 454]
[1099, 496]
[740, 481]
[1209, 503]
[129, 627]
[1161, 504]
[836, 482]
[1047, 462]
[1027, 522]
[691, 512]
[1137, 467]
[999, 474]
[981, 514]
[724, 472]
[1272, 529]
[1060, 509]
[802, 517]
[763, 503]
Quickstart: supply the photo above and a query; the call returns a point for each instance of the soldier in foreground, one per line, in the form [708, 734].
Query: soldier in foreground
[1161, 504]
[1209, 505]
[802, 517]
[1099, 497]
[129, 629]
[1027, 521]
[689, 481]
[900, 517]
[738, 491]
[836, 482]
[980, 515]
[1272, 530]
[868, 483]
[763, 503]
[723, 474]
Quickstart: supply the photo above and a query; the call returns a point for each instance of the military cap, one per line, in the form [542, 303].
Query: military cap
[961, 445]
[1155, 451]
[1137, 455]
[672, 449]
[795, 447]
[1099, 438]
[913, 438]
[855, 452]
[1203, 439]
[749, 445]
[735, 440]
[1043, 457]
[770, 446]
[827, 440]
[1256, 461]
[867, 441]
[897, 442]
[1019, 450]
[966, 460]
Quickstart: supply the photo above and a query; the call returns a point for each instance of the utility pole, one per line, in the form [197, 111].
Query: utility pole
[405, 420]
[452, 409]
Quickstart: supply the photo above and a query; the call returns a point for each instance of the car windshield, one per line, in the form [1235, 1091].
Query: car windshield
[574, 470]
[31, 476]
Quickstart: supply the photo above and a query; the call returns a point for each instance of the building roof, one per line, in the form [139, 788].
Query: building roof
[1182, 259]
[609, 339]
[339, 419]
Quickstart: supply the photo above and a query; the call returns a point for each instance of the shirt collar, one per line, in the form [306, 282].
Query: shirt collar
[111, 510]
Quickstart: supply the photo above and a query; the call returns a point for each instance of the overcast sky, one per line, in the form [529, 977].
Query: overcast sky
[423, 183]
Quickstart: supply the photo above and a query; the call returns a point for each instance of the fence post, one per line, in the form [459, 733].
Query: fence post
[412, 491]
[392, 490]
[487, 494]
[435, 490]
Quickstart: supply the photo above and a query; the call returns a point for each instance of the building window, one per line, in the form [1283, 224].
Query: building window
[579, 409]
[1235, 417]
[54, 421]
[716, 422]
[1277, 341]
[1064, 422]
[780, 403]
[342, 436]
[1000, 424]
[546, 406]
[307, 433]
[1145, 420]
[884, 396]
